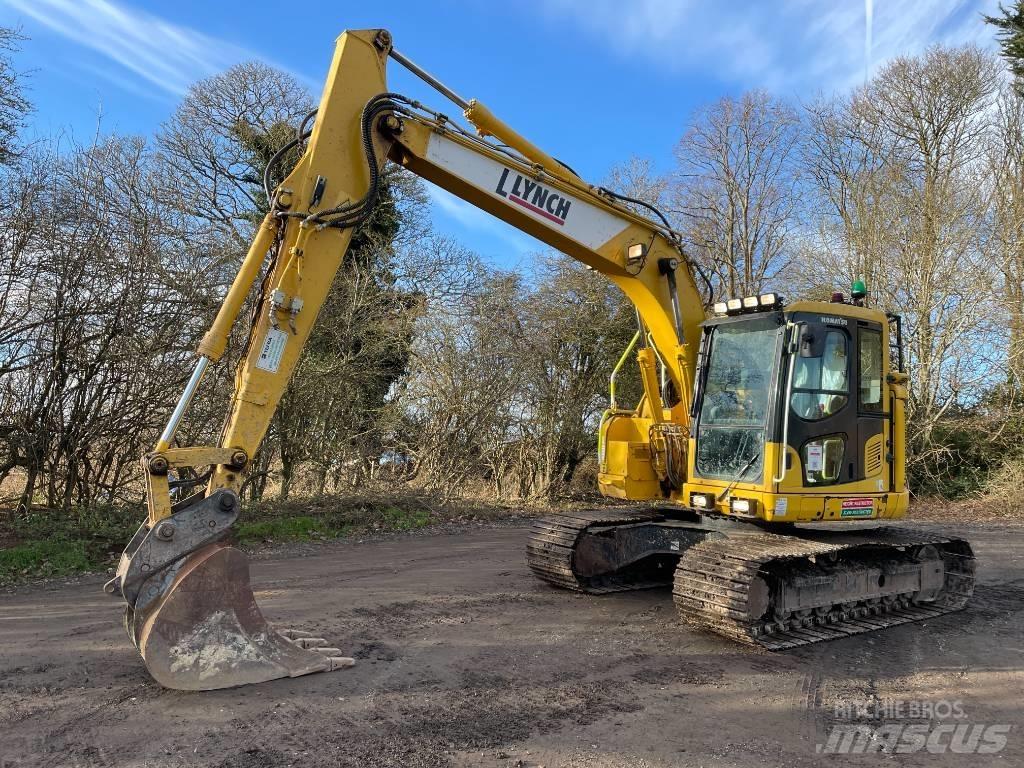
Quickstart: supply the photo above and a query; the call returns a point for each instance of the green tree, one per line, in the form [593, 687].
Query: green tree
[338, 409]
[1011, 38]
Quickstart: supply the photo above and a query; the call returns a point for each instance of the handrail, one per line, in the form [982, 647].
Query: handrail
[612, 405]
[783, 453]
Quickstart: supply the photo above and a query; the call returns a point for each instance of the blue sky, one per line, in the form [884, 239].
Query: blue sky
[591, 81]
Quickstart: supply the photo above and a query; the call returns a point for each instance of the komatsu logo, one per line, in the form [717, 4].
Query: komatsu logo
[534, 196]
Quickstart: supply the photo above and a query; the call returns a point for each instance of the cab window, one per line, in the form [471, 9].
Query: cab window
[734, 407]
[869, 389]
[820, 384]
[823, 459]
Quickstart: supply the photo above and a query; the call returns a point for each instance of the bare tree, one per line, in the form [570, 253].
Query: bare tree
[14, 106]
[211, 146]
[898, 175]
[459, 398]
[109, 310]
[736, 189]
[577, 326]
[1006, 167]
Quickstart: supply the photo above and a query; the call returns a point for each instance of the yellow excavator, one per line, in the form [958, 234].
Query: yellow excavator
[756, 417]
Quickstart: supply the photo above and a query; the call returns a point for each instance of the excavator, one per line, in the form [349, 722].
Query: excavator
[757, 418]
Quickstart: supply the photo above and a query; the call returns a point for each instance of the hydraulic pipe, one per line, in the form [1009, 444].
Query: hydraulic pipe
[216, 339]
[488, 124]
[668, 267]
[212, 347]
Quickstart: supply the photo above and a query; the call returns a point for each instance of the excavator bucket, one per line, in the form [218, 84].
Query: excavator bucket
[205, 630]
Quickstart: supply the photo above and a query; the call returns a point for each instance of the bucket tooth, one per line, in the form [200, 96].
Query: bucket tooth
[207, 632]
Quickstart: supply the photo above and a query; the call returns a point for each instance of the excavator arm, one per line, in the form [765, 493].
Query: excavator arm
[190, 609]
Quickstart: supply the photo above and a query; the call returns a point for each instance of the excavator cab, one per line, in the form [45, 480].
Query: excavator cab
[795, 413]
[795, 417]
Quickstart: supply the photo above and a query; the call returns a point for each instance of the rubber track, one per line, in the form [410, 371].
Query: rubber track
[713, 578]
[549, 549]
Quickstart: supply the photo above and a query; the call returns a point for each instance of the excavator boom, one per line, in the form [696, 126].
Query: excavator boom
[190, 608]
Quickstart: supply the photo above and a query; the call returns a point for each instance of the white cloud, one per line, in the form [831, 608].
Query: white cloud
[165, 55]
[787, 44]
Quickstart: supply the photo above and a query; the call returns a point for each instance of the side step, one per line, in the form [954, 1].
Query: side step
[734, 585]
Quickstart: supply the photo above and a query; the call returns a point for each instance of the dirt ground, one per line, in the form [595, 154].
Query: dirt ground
[464, 659]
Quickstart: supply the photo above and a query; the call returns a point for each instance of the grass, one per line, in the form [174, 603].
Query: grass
[45, 559]
[406, 520]
[330, 526]
[287, 529]
[49, 543]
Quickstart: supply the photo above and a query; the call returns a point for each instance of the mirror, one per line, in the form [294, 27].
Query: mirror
[812, 339]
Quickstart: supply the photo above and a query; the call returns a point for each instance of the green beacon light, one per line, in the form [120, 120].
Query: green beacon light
[858, 290]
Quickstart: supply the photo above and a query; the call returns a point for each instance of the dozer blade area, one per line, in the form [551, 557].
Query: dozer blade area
[207, 632]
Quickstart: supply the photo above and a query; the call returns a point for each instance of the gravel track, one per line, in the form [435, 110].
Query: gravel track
[464, 659]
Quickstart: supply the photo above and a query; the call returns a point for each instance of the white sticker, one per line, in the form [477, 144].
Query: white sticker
[273, 349]
[556, 209]
[674, 545]
[814, 457]
[781, 507]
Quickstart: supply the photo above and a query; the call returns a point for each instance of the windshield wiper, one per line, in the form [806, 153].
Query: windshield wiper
[740, 476]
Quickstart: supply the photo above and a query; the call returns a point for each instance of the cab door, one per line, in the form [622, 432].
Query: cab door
[823, 421]
[837, 419]
[872, 411]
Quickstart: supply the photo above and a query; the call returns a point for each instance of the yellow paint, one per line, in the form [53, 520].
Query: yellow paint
[334, 152]
[627, 466]
[216, 339]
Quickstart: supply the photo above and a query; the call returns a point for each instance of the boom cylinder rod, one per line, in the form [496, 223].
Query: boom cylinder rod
[428, 78]
[487, 123]
[668, 267]
[179, 410]
[215, 341]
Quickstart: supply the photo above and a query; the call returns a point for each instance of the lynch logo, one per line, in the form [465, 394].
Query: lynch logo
[534, 196]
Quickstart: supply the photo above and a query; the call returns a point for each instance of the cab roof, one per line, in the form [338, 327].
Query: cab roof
[832, 309]
[837, 309]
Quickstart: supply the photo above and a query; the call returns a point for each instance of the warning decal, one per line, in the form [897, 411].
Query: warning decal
[857, 508]
[273, 349]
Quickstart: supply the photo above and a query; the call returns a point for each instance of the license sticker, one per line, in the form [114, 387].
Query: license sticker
[857, 508]
[781, 507]
[815, 453]
[273, 350]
